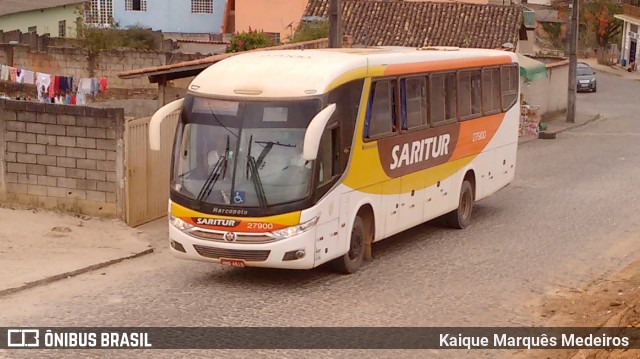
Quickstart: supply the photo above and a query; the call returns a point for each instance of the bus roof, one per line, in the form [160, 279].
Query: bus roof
[303, 73]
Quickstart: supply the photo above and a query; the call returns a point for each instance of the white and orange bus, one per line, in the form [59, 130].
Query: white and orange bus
[292, 159]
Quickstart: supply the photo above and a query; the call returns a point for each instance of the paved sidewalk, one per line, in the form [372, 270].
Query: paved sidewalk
[39, 246]
[558, 123]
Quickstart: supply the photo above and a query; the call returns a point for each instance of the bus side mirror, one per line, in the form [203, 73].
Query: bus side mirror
[156, 122]
[314, 133]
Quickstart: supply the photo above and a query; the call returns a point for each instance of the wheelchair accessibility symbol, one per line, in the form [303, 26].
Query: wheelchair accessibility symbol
[238, 197]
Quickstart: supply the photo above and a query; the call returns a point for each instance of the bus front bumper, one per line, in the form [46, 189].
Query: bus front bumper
[285, 253]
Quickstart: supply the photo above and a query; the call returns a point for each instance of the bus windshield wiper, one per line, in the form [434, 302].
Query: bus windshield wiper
[267, 149]
[255, 176]
[219, 169]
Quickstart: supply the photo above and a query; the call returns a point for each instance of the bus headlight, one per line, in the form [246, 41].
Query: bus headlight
[295, 230]
[180, 224]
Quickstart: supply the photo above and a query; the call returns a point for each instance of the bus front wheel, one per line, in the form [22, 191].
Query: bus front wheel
[351, 262]
[460, 218]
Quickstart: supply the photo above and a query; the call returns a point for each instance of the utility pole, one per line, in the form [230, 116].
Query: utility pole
[335, 24]
[572, 30]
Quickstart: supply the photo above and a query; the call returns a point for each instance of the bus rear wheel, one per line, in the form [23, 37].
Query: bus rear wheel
[352, 261]
[460, 218]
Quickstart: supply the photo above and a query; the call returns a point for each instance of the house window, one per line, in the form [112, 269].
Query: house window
[633, 28]
[415, 98]
[381, 117]
[33, 29]
[62, 28]
[202, 6]
[99, 13]
[274, 37]
[135, 5]
[442, 89]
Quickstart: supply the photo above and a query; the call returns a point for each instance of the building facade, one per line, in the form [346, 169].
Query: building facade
[630, 51]
[175, 16]
[278, 18]
[58, 18]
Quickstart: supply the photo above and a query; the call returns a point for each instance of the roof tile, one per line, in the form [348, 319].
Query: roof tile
[416, 24]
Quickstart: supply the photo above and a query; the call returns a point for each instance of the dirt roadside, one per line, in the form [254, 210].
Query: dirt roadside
[610, 302]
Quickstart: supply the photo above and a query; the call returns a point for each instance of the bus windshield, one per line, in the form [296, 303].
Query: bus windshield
[243, 153]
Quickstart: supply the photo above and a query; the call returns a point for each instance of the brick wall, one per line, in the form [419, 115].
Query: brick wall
[76, 62]
[62, 157]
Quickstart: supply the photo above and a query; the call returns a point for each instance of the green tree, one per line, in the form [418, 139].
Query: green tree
[249, 40]
[554, 29]
[311, 30]
[597, 15]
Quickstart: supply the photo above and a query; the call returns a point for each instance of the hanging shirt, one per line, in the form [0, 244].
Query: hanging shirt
[103, 84]
[43, 82]
[29, 77]
[13, 74]
[20, 76]
[64, 84]
[80, 99]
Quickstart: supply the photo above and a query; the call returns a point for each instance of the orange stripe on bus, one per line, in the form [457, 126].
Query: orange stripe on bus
[441, 65]
[475, 135]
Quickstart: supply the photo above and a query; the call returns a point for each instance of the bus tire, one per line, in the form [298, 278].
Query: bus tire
[352, 260]
[460, 218]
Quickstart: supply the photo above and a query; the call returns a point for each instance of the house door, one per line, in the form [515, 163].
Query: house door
[632, 51]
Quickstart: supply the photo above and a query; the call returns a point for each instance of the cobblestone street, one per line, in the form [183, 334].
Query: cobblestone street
[563, 222]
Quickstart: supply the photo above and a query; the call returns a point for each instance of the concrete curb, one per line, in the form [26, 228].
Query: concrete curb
[70, 274]
[569, 127]
[578, 125]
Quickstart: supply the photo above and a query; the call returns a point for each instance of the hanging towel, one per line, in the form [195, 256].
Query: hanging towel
[29, 77]
[95, 87]
[73, 99]
[13, 74]
[4, 72]
[84, 86]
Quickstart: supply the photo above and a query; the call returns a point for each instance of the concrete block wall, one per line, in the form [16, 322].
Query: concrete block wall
[76, 62]
[69, 158]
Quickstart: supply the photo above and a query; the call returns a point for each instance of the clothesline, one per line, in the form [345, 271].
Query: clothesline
[54, 88]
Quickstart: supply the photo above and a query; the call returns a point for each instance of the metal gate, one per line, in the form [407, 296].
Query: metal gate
[147, 179]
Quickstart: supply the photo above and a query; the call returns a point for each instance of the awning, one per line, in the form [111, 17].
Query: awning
[531, 69]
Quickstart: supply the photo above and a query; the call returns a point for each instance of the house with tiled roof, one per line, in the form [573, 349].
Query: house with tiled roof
[58, 18]
[419, 23]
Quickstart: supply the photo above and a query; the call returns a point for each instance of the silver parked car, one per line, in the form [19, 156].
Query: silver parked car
[586, 78]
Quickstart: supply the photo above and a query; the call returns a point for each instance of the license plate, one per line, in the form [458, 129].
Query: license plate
[238, 263]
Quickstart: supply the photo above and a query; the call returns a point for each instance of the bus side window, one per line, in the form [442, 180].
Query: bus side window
[347, 98]
[415, 103]
[491, 90]
[442, 89]
[381, 115]
[510, 82]
[469, 94]
[329, 156]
